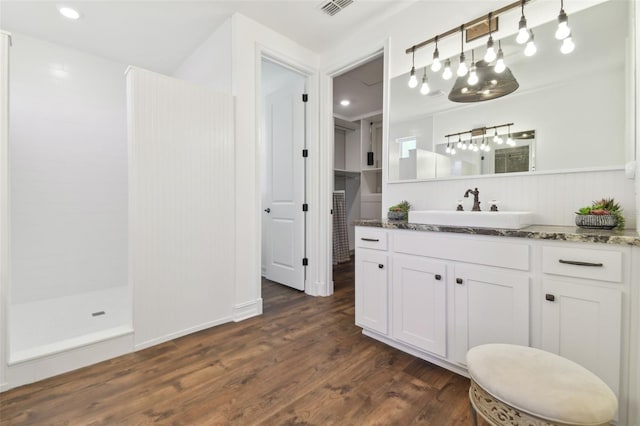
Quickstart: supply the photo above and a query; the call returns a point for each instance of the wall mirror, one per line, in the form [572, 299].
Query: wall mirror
[570, 111]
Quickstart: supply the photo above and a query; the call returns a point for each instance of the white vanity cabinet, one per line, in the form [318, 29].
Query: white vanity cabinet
[582, 318]
[419, 303]
[372, 280]
[491, 306]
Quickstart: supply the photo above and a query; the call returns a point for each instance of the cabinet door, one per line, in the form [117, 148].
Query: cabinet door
[491, 306]
[582, 322]
[419, 293]
[372, 293]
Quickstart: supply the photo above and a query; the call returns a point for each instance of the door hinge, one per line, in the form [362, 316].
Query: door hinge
[331, 211]
[305, 207]
[305, 97]
[305, 261]
[305, 153]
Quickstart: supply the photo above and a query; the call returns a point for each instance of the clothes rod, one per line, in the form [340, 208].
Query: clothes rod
[465, 26]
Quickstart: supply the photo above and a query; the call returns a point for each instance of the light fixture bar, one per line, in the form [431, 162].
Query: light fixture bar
[466, 25]
[478, 131]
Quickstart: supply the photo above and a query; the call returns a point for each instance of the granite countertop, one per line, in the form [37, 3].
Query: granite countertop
[538, 232]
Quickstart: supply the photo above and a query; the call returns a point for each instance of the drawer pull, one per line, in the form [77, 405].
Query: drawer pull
[438, 277]
[550, 297]
[380, 265]
[575, 262]
[458, 280]
[373, 240]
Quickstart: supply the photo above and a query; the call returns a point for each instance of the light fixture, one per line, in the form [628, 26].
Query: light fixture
[530, 49]
[464, 146]
[424, 88]
[490, 54]
[510, 140]
[436, 65]
[448, 150]
[497, 139]
[490, 85]
[487, 148]
[453, 151]
[460, 143]
[563, 30]
[462, 68]
[447, 74]
[475, 146]
[523, 32]
[345, 102]
[69, 12]
[500, 66]
[413, 80]
[473, 75]
[567, 45]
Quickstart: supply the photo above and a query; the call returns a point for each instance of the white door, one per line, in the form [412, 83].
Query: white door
[283, 217]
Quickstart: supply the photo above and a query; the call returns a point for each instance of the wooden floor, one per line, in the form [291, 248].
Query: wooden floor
[303, 362]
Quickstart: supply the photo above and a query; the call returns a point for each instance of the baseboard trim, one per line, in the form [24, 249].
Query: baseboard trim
[245, 310]
[180, 333]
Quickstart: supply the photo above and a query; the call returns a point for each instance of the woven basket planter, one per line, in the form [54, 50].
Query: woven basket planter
[592, 221]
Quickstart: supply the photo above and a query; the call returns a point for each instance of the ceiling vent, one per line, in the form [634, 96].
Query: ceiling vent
[334, 6]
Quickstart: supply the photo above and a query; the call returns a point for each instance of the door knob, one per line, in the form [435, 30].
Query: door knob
[438, 277]
[268, 210]
[550, 297]
[458, 280]
[380, 265]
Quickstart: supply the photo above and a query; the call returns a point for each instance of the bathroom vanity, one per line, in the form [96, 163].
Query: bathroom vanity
[435, 292]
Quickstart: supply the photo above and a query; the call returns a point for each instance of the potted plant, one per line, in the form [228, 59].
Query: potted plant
[399, 211]
[602, 214]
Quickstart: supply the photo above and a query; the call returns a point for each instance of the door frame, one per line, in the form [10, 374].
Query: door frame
[327, 147]
[311, 77]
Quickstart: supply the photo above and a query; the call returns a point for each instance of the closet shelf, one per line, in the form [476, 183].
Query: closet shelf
[340, 172]
[378, 169]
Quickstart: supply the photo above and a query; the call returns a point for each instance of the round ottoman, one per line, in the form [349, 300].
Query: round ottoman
[517, 385]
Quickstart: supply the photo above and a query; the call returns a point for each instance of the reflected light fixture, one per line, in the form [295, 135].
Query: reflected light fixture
[462, 68]
[448, 150]
[473, 75]
[500, 66]
[460, 143]
[69, 12]
[424, 88]
[567, 45]
[490, 54]
[523, 32]
[345, 102]
[530, 49]
[447, 73]
[497, 139]
[436, 65]
[413, 80]
[510, 140]
[563, 30]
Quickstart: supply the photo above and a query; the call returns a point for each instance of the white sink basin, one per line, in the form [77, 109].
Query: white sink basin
[504, 220]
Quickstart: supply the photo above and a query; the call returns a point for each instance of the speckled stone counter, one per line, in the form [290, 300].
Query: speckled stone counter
[537, 232]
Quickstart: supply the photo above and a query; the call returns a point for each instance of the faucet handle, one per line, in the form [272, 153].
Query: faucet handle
[494, 205]
[460, 207]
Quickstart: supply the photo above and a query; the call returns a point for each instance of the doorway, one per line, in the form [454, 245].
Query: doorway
[283, 174]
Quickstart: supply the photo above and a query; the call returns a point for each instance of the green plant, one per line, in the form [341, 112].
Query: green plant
[605, 206]
[403, 206]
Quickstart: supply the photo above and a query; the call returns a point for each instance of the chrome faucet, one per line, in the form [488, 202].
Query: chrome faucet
[476, 200]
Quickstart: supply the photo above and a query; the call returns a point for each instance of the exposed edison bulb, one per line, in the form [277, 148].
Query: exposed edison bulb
[453, 151]
[464, 146]
[490, 54]
[563, 30]
[473, 76]
[462, 68]
[567, 45]
[487, 148]
[436, 65]
[413, 80]
[475, 148]
[459, 145]
[447, 74]
[497, 139]
[424, 88]
[510, 141]
[523, 32]
[448, 150]
[500, 66]
[531, 48]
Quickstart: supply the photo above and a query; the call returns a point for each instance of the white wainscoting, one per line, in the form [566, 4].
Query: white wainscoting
[181, 156]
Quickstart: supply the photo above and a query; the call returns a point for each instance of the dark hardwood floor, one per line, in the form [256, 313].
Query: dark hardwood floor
[303, 362]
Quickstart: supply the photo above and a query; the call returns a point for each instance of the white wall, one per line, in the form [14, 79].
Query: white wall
[68, 158]
[210, 64]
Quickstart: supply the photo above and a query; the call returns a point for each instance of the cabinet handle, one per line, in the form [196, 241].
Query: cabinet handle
[438, 277]
[374, 240]
[575, 262]
[458, 280]
[550, 297]
[380, 265]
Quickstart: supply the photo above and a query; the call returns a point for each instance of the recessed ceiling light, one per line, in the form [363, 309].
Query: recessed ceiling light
[68, 12]
[345, 102]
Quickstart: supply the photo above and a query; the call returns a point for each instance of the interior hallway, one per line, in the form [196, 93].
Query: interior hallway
[302, 362]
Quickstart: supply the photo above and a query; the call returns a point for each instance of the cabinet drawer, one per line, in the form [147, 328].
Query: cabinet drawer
[371, 238]
[603, 265]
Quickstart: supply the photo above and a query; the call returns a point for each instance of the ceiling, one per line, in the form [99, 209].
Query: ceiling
[159, 35]
[362, 87]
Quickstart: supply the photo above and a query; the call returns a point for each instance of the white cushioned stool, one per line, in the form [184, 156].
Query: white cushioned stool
[517, 385]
